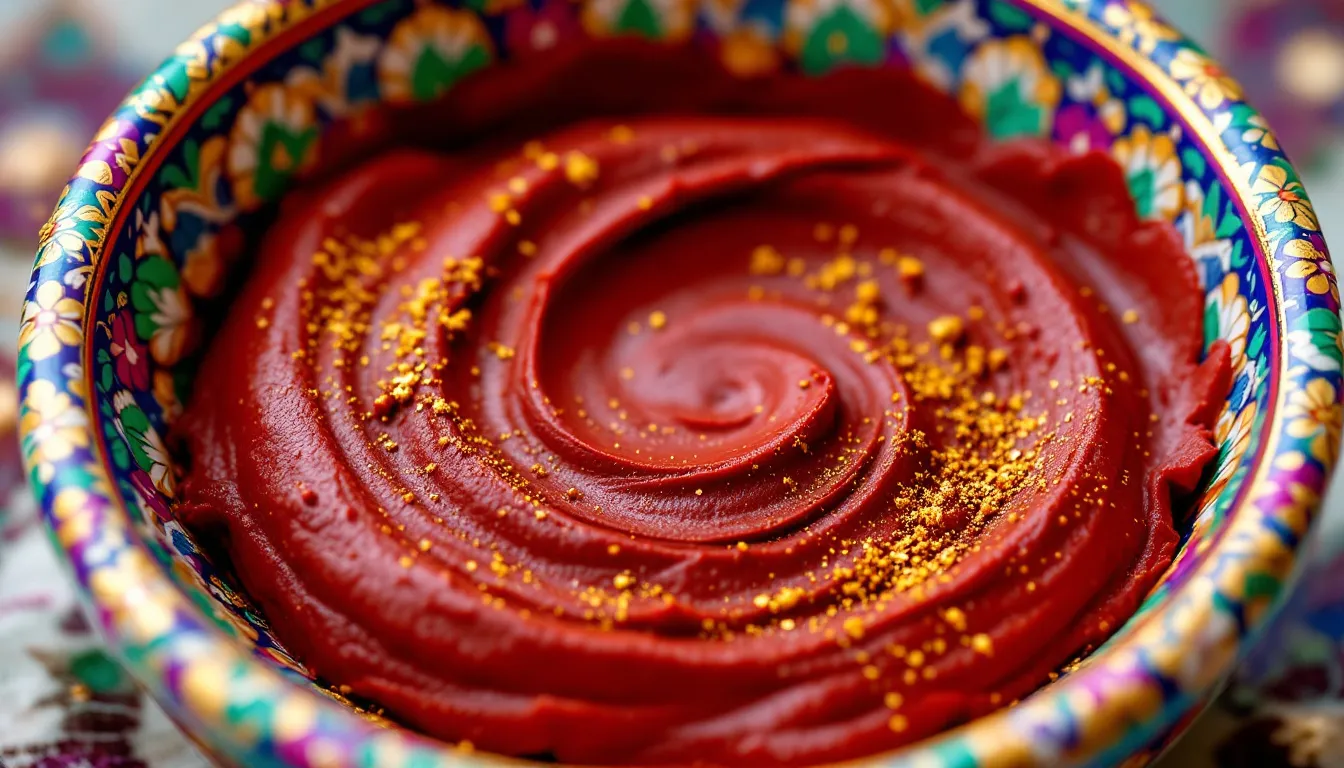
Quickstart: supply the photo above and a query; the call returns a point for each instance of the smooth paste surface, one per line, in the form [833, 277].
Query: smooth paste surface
[733, 438]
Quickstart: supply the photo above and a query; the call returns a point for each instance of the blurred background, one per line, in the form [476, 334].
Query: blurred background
[64, 65]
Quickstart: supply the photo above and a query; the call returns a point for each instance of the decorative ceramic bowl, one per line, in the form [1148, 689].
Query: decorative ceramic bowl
[144, 237]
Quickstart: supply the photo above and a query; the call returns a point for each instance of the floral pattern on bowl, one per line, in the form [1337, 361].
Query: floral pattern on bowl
[145, 234]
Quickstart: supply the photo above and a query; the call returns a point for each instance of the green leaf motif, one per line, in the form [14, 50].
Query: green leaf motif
[1154, 598]
[1144, 108]
[1260, 585]
[1323, 331]
[1212, 198]
[1141, 188]
[433, 74]
[24, 367]
[313, 50]
[279, 155]
[1193, 161]
[376, 13]
[954, 752]
[1241, 115]
[1009, 16]
[1230, 224]
[121, 456]
[136, 425]
[237, 32]
[1115, 82]
[185, 177]
[640, 18]
[77, 475]
[1318, 319]
[1007, 114]
[217, 115]
[173, 78]
[154, 275]
[839, 37]
[158, 272]
[99, 672]
[1257, 341]
[256, 714]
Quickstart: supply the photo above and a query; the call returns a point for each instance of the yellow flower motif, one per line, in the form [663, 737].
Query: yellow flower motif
[259, 19]
[1294, 512]
[1313, 265]
[1284, 199]
[154, 101]
[256, 17]
[60, 235]
[1136, 26]
[1153, 171]
[1204, 80]
[1009, 86]
[1232, 434]
[431, 50]
[669, 20]
[161, 473]
[1199, 231]
[1234, 318]
[1314, 414]
[50, 322]
[199, 62]
[1258, 133]
[176, 329]
[52, 427]
[69, 509]
[273, 139]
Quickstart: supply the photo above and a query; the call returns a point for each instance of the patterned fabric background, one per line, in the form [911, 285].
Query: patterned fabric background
[64, 64]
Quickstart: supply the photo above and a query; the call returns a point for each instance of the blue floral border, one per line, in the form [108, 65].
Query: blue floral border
[144, 235]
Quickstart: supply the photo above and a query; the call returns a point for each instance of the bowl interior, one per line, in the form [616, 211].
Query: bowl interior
[140, 253]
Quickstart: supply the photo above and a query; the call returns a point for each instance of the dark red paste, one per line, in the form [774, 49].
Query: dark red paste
[702, 436]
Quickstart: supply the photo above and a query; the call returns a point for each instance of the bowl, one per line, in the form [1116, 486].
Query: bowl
[142, 243]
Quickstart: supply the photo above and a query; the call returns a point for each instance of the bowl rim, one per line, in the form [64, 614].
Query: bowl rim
[1117, 698]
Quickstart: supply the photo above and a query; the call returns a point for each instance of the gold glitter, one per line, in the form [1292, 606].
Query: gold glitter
[946, 329]
[580, 169]
[981, 643]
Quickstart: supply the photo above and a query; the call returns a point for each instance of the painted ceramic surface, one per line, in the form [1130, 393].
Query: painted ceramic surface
[144, 236]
